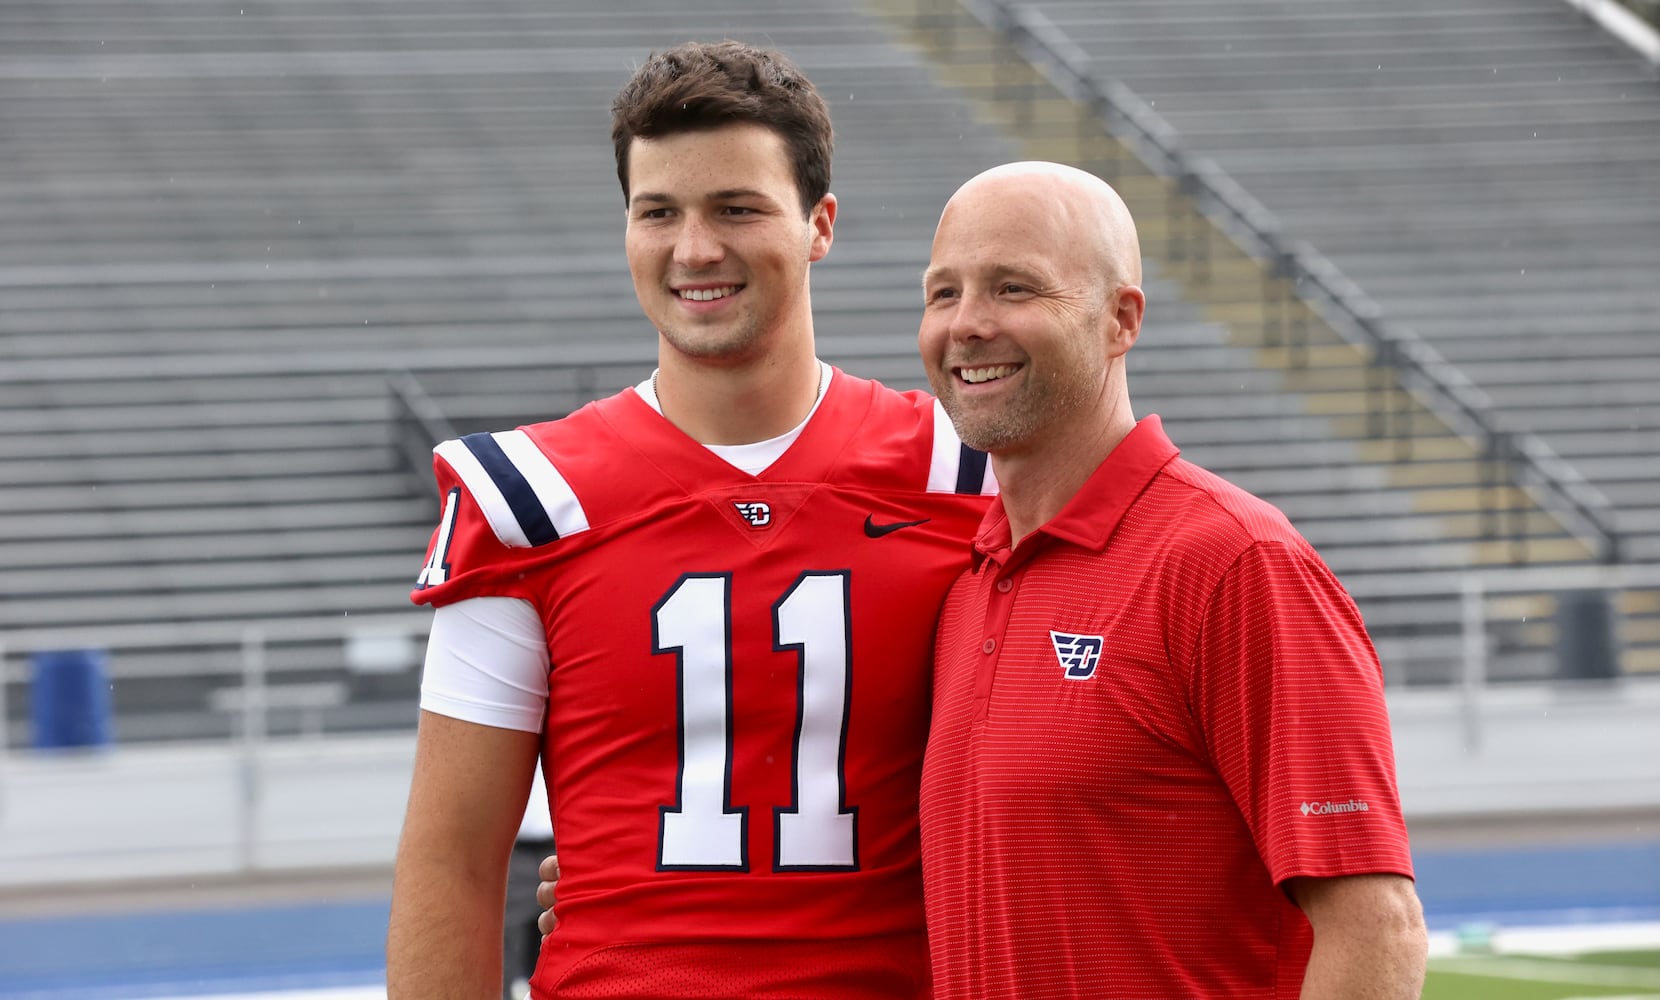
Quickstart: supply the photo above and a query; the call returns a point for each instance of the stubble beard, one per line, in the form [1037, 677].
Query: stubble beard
[1045, 401]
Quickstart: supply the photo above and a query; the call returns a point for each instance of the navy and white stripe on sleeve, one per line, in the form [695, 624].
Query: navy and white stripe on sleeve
[957, 468]
[523, 495]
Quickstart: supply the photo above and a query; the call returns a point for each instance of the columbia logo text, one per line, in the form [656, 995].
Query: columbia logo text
[1329, 808]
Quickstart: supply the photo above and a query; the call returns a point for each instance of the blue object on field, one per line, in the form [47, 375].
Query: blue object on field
[69, 702]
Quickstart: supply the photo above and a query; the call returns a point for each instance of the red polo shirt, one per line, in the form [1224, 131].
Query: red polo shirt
[1146, 718]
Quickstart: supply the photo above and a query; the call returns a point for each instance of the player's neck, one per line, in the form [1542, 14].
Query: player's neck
[738, 404]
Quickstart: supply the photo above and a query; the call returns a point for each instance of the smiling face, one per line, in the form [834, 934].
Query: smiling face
[717, 243]
[1022, 317]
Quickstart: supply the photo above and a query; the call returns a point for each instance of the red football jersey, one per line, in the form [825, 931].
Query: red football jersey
[1147, 717]
[739, 686]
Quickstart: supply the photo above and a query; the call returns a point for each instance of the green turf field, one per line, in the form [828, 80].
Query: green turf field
[1629, 975]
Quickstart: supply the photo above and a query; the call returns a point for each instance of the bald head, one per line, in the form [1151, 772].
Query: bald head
[1064, 206]
[1031, 300]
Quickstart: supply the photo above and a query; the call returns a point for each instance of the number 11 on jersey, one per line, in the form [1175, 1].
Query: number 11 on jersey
[704, 830]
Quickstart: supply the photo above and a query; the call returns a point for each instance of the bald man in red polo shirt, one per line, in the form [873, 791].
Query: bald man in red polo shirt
[1160, 760]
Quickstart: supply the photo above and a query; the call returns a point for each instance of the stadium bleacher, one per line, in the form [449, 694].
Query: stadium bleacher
[1484, 169]
[1387, 140]
[222, 229]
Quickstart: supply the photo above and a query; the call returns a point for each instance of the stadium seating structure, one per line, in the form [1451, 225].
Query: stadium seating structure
[234, 241]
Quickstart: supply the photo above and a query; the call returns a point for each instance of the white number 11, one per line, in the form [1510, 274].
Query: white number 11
[704, 831]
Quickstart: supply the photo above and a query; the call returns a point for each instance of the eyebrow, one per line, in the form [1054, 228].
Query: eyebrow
[1000, 272]
[934, 274]
[725, 194]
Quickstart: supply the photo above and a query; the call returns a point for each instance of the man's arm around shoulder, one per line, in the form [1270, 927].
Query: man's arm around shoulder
[1369, 937]
[449, 886]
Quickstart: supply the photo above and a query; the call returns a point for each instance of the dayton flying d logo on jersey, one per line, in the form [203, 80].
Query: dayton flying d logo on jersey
[1078, 653]
[758, 514]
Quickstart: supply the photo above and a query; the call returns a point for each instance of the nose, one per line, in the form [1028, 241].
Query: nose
[698, 244]
[972, 317]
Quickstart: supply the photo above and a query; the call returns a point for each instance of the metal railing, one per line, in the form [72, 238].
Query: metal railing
[1478, 595]
[302, 664]
[240, 776]
[1518, 457]
[418, 423]
[260, 802]
[1631, 23]
[291, 665]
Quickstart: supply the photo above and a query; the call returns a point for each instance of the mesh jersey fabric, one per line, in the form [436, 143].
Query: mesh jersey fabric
[739, 684]
[1147, 716]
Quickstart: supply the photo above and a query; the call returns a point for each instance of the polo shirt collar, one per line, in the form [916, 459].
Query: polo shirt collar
[1091, 516]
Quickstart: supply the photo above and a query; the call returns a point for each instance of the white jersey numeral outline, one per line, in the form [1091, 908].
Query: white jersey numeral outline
[703, 831]
[437, 569]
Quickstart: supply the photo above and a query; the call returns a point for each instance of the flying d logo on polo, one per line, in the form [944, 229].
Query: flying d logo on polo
[1078, 654]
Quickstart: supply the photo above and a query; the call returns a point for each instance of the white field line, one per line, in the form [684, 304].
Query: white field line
[1541, 970]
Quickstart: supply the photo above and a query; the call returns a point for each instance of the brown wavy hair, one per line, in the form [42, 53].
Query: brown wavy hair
[706, 85]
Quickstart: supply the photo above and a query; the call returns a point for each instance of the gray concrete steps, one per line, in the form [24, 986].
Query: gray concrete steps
[300, 573]
[321, 512]
[198, 441]
[207, 546]
[187, 260]
[79, 497]
[1462, 163]
[88, 612]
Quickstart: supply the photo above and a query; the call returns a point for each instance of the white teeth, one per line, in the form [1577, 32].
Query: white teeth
[708, 294]
[974, 376]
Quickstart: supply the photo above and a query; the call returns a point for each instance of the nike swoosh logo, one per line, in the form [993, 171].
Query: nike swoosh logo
[874, 530]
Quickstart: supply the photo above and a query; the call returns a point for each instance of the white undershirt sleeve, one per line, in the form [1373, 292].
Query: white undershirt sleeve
[487, 662]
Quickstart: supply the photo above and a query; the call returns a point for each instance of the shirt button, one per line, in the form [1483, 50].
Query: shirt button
[990, 646]
[1005, 585]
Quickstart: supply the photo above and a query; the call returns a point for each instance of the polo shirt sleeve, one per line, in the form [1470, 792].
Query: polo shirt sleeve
[1288, 693]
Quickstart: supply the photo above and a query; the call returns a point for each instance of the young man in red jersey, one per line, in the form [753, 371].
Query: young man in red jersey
[1160, 761]
[705, 604]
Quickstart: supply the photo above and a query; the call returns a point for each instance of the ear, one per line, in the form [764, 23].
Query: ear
[822, 222]
[1126, 307]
